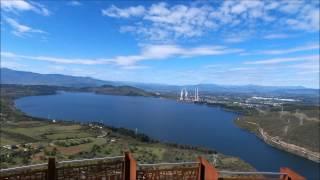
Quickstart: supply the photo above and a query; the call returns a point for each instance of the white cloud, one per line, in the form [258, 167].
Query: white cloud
[20, 29]
[251, 7]
[284, 60]
[74, 3]
[55, 59]
[114, 11]
[162, 21]
[246, 69]
[135, 67]
[16, 5]
[307, 18]
[302, 48]
[148, 52]
[40, 9]
[291, 50]
[159, 52]
[22, 5]
[214, 66]
[291, 7]
[276, 36]
[308, 65]
[11, 64]
[315, 73]
[234, 39]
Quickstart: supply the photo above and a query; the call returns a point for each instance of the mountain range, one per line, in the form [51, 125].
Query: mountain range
[9, 76]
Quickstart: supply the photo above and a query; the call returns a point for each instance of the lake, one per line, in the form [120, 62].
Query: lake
[169, 121]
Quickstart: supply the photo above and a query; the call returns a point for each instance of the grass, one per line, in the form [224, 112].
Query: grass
[46, 135]
[37, 139]
[68, 135]
[296, 126]
[7, 140]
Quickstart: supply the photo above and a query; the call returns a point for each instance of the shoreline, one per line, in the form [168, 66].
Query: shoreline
[287, 147]
[273, 141]
[276, 142]
[141, 142]
[291, 148]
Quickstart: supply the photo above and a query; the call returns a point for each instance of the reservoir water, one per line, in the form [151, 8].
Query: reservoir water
[169, 121]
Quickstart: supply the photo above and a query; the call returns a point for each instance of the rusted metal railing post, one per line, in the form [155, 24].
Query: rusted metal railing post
[290, 174]
[207, 171]
[52, 168]
[130, 167]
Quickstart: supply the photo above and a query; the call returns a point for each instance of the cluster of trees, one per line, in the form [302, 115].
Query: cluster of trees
[16, 157]
[190, 147]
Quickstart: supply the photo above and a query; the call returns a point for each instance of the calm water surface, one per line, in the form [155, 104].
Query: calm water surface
[170, 121]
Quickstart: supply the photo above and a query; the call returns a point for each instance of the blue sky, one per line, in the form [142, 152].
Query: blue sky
[171, 42]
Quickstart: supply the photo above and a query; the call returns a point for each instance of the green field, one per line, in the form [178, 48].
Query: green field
[33, 140]
[298, 125]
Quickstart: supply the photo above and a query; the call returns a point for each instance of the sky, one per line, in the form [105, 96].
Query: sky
[234, 42]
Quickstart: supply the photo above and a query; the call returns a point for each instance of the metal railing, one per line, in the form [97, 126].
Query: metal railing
[224, 175]
[126, 168]
[93, 159]
[23, 167]
[169, 163]
[31, 172]
[169, 170]
[96, 168]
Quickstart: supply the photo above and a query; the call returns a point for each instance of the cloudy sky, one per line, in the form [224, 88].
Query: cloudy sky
[172, 42]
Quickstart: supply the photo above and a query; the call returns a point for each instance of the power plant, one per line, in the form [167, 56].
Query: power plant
[184, 95]
[196, 94]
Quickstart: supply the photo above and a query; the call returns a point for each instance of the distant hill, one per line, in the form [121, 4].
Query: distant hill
[9, 76]
[255, 89]
[118, 90]
[288, 91]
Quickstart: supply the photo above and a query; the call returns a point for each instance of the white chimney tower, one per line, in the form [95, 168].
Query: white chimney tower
[181, 95]
[186, 94]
